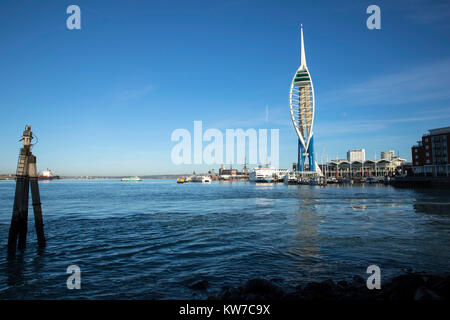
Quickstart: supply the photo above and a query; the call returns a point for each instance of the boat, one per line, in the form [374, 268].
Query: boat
[290, 178]
[371, 180]
[181, 180]
[47, 175]
[201, 179]
[262, 174]
[345, 181]
[332, 180]
[135, 178]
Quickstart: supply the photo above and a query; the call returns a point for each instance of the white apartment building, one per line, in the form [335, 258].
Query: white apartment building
[356, 155]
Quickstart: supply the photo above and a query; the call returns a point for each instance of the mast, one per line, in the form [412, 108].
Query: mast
[302, 50]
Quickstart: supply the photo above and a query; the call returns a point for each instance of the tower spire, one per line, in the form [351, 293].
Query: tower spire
[303, 56]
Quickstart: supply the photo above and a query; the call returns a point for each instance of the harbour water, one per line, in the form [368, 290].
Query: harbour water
[153, 239]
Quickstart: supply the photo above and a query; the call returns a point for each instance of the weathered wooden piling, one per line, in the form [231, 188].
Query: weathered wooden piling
[26, 175]
[36, 198]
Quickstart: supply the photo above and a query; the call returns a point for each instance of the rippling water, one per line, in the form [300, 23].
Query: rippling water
[154, 238]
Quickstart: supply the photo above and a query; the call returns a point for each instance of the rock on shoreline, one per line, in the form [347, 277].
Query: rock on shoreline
[410, 286]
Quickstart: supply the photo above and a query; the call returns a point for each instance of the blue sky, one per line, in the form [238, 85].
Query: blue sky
[105, 99]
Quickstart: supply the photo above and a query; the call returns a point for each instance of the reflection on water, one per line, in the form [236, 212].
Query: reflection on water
[307, 227]
[15, 268]
[432, 201]
[432, 208]
[154, 238]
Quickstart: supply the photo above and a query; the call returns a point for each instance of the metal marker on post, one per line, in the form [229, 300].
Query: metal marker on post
[26, 175]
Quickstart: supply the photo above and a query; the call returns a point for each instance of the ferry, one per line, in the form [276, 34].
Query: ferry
[262, 174]
[135, 178]
[47, 175]
[201, 179]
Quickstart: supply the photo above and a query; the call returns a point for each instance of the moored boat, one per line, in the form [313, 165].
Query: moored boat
[332, 180]
[346, 181]
[261, 174]
[290, 178]
[201, 179]
[371, 180]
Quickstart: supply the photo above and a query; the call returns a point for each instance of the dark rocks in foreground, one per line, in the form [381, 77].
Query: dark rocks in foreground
[410, 286]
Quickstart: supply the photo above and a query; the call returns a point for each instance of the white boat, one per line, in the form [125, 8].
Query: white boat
[135, 178]
[201, 179]
[332, 180]
[290, 178]
[262, 174]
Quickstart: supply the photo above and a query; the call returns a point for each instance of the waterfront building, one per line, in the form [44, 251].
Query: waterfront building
[227, 172]
[302, 107]
[430, 156]
[387, 155]
[356, 155]
[232, 174]
[395, 159]
[367, 168]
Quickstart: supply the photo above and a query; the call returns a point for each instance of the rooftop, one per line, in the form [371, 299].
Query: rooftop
[440, 130]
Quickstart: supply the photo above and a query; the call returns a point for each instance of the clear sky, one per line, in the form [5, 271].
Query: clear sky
[105, 99]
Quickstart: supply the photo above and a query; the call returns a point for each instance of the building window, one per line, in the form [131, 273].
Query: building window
[427, 154]
[427, 147]
[428, 160]
[416, 157]
[426, 139]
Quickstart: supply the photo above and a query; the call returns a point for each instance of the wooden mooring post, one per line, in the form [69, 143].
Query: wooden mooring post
[26, 177]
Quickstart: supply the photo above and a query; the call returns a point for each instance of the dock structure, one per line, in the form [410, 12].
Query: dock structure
[26, 178]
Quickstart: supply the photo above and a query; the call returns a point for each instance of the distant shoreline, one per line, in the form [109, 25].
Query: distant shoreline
[158, 176]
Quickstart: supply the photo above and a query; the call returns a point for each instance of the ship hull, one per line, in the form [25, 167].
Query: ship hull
[46, 178]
